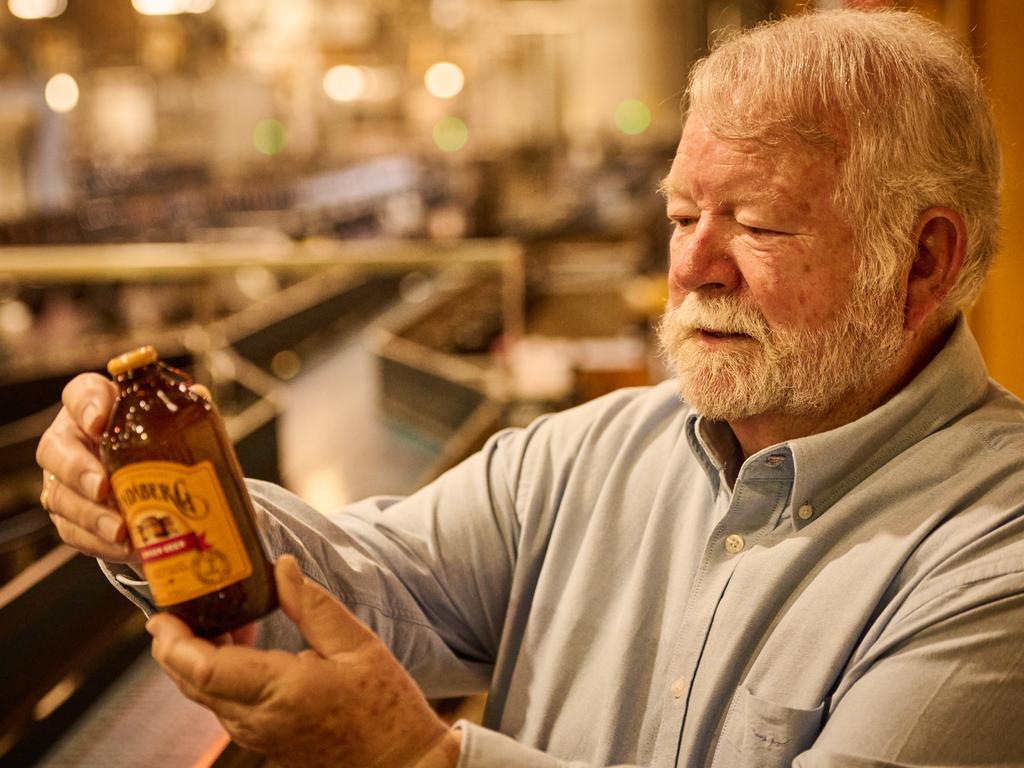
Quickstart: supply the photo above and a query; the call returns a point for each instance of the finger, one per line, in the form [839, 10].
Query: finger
[66, 452]
[202, 391]
[229, 673]
[328, 626]
[228, 711]
[244, 635]
[89, 398]
[90, 543]
[97, 519]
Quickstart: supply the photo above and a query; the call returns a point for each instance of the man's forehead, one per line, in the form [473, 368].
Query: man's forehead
[772, 171]
[757, 182]
[770, 132]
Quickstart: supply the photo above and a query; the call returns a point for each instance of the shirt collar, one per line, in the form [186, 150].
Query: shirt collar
[830, 464]
[708, 457]
[719, 454]
[826, 466]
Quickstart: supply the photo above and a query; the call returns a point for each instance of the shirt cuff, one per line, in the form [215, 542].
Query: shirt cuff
[484, 748]
[128, 583]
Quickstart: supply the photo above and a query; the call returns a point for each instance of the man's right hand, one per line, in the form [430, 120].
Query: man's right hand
[75, 485]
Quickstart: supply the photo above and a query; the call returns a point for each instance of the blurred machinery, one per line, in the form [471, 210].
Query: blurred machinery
[458, 354]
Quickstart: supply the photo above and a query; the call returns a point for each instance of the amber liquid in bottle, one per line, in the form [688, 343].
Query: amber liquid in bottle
[178, 484]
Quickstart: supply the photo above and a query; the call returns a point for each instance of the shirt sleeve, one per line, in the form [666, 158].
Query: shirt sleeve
[947, 691]
[430, 573]
[128, 583]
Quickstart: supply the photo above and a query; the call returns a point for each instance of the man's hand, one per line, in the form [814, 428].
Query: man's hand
[75, 485]
[76, 489]
[346, 702]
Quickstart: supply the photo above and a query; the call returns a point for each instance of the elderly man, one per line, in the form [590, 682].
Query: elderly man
[814, 557]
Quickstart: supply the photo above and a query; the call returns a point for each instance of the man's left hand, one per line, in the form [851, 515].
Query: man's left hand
[345, 702]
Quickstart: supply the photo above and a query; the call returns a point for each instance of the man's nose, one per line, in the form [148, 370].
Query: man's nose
[701, 259]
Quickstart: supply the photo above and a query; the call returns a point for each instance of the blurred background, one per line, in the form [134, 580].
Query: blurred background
[377, 229]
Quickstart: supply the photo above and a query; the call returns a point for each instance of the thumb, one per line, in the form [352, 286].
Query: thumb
[328, 626]
[202, 391]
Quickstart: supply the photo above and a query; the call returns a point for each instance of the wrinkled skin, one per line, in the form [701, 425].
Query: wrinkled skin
[345, 702]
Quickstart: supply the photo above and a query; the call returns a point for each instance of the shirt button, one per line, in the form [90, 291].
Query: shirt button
[806, 512]
[678, 688]
[734, 543]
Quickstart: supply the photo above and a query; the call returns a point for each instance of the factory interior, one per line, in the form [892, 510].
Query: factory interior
[377, 230]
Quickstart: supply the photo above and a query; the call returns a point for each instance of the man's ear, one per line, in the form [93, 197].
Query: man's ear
[941, 243]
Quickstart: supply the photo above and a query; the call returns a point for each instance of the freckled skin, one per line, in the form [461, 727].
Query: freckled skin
[345, 703]
[801, 272]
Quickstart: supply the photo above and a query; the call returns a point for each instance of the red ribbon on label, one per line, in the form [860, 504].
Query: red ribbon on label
[176, 545]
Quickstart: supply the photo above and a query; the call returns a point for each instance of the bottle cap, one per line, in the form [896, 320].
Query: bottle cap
[131, 360]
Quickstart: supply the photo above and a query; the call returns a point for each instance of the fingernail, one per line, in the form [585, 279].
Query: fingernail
[109, 527]
[291, 570]
[89, 416]
[153, 627]
[91, 482]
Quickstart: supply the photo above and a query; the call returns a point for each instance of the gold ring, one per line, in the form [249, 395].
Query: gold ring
[45, 493]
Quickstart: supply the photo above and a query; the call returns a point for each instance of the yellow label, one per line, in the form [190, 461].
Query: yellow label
[180, 524]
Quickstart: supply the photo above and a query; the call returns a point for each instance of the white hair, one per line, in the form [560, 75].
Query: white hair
[899, 100]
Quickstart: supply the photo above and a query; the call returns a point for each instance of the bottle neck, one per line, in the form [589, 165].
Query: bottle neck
[132, 378]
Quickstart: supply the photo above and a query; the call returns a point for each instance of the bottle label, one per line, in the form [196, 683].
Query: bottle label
[181, 525]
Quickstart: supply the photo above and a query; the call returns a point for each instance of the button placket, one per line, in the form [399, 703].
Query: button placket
[759, 496]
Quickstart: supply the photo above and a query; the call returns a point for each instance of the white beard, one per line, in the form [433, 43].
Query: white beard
[781, 370]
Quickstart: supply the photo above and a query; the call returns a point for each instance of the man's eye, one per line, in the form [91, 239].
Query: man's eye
[760, 230]
[681, 222]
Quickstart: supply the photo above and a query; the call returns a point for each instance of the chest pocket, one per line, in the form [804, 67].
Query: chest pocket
[759, 733]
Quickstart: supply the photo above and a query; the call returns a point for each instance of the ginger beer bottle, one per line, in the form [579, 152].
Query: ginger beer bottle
[178, 484]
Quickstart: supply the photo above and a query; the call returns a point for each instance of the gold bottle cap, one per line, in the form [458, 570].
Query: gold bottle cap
[130, 360]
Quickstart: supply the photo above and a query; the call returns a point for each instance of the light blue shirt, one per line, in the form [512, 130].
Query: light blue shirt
[856, 599]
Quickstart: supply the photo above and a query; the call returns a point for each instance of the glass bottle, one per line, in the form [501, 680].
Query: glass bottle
[179, 486]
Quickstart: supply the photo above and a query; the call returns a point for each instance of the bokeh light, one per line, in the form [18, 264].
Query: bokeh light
[171, 7]
[444, 80]
[61, 93]
[37, 9]
[286, 364]
[268, 136]
[449, 14]
[450, 134]
[632, 117]
[346, 83]
[15, 318]
[256, 282]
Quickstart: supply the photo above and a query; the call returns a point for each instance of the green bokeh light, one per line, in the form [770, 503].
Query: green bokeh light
[268, 137]
[450, 134]
[633, 116]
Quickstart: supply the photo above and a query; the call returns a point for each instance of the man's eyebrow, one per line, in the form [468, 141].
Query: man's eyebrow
[768, 194]
[667, 190]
